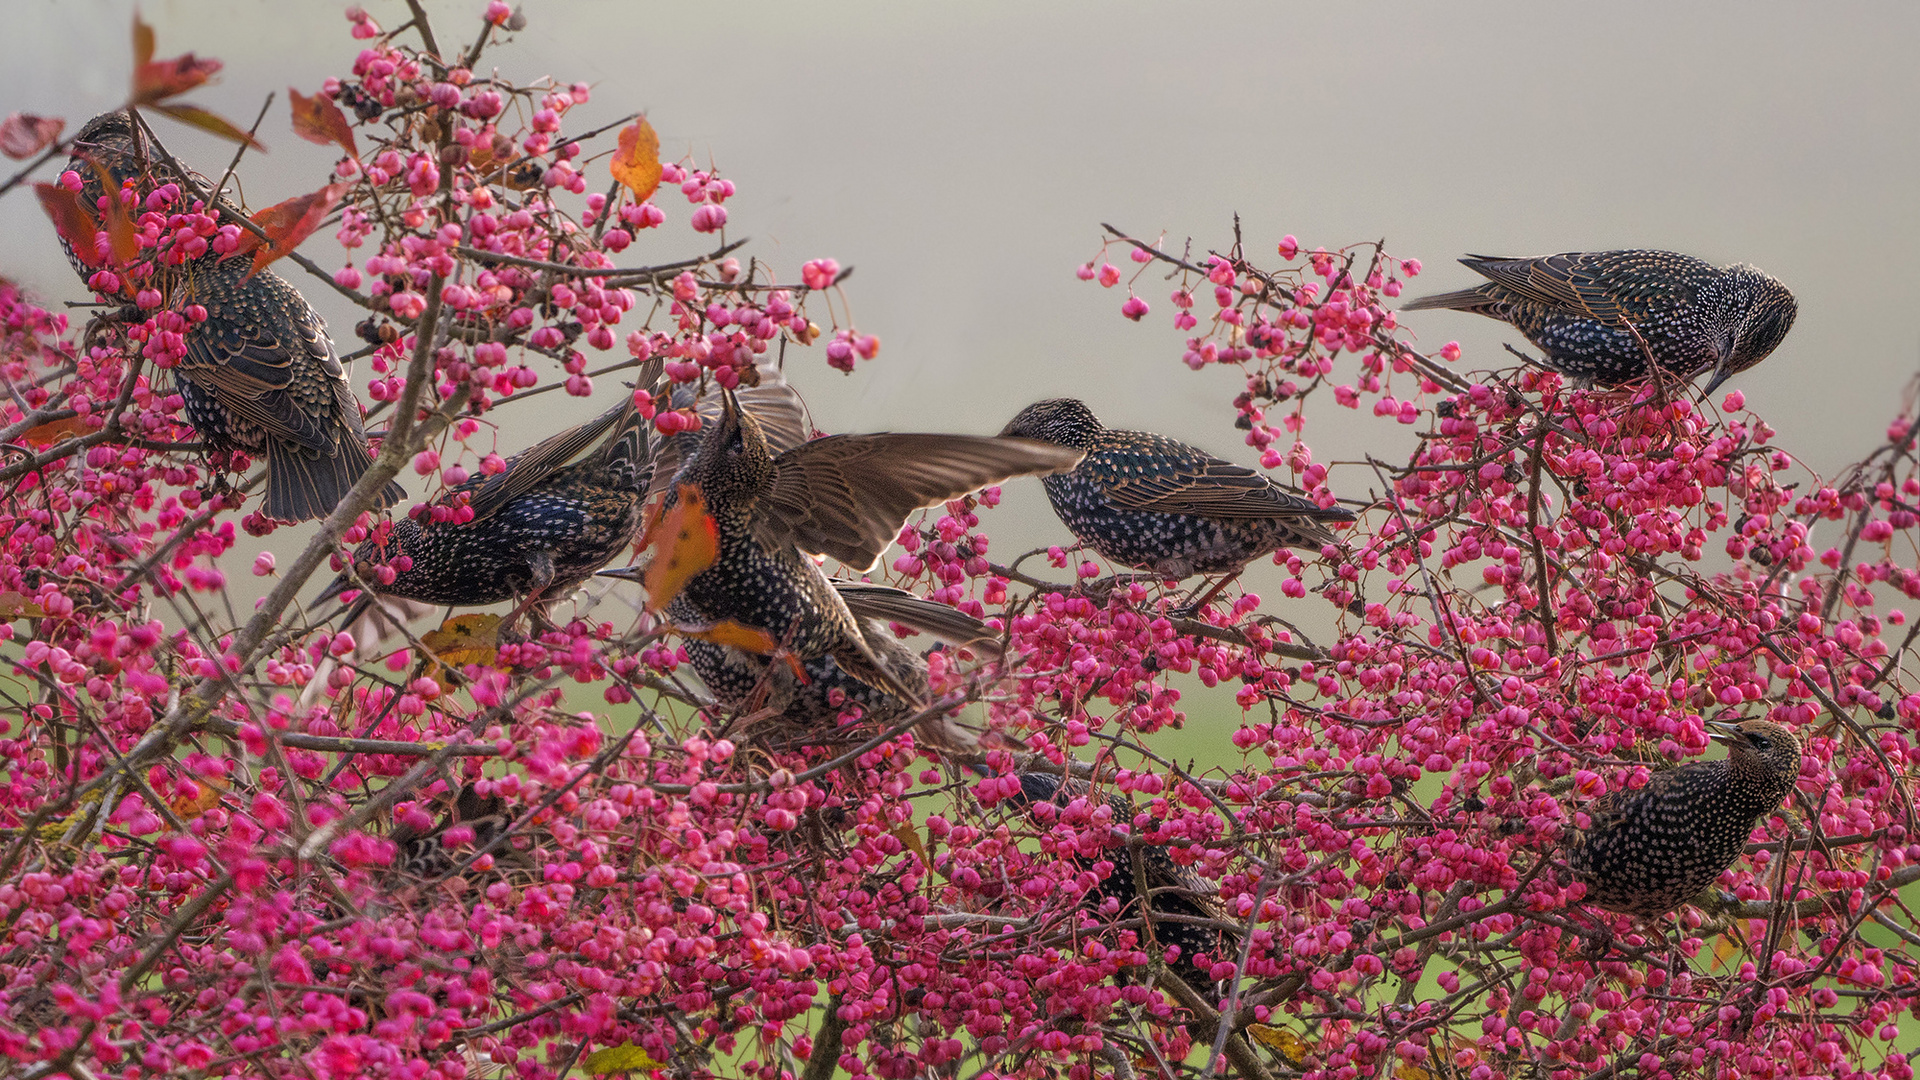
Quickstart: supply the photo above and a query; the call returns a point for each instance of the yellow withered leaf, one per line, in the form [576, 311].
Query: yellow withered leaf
[1278, 1038]
[17, 605]
[465, 639]
[204, 797]
[685, 541]
[637, 161]
[623, 1058]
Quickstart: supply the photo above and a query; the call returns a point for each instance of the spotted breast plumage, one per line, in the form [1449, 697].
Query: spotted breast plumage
[843, 496]
[556, 513]
[1601, 316]
[1149, 502]
[1651, 849]
[260, 374]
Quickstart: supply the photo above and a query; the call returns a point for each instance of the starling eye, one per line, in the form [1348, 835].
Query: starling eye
[1758, 740]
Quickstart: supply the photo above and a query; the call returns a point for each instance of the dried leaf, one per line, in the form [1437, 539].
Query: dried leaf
[204, 797]
[288, 223]
[910, 836]
[465, 639]
[685, 541]
[211, 123]
[23, 135]
[637, 162]
[623, 1058]
[74, 224]
[1278, 1038]
[157, 80]
[142, 41]
[18, 605]
[318, 119]
[746, 639]
[54, 431]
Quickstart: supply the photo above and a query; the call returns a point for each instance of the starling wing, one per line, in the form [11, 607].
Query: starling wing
[1187, 481]
[847, 495]
[888, 604]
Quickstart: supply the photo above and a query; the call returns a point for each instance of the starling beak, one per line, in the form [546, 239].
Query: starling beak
[1652, 849]
[844, 495]
[1601, 316]
[260, 374]
[1171, 888]
[559, 511]
[1149, 502]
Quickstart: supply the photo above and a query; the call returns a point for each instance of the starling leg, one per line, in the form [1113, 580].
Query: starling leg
[1189, 609]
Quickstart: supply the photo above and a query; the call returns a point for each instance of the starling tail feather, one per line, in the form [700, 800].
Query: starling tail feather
[1651, 849]
[260, 374]
[1602, 316]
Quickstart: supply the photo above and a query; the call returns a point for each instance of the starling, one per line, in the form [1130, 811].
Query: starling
[1651, 850]
[1172, 889]
[845, 496]
[817, 705]
[1600, 316]
[260, 374]
[1149, 502]
[424, 855]
[559, 511]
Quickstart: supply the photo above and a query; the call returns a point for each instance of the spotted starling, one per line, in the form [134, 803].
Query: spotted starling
[260, 374]
[1600, 316]
[425, 854]
[1149, 502]
[558, 512]
[816, 707]
[1172, 889]
[845, 496]
[1652, 849]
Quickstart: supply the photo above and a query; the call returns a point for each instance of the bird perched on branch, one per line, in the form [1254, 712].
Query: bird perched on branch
[845, 496]
[1172, 890]
[1153, 503]
[540, 527]
[1651, 849]
[1602, 316]
[260, 375]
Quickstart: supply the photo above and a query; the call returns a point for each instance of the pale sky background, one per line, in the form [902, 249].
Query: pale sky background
[961, 158]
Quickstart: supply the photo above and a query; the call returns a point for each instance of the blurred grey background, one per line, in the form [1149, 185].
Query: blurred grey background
[961, 157]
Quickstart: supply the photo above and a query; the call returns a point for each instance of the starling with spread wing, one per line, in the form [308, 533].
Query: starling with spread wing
[1603, 316]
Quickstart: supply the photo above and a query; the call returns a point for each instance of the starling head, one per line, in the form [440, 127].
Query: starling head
[1061, 421]
[110, 133]
[1761, 755]
[734, 461]
[1765, 320]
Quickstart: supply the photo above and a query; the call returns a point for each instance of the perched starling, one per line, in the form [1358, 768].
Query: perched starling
[425, 855]
[1651, 850]
[815, 707]
[559, 511]
[260, 374]
[1149, 502]
[1172, 889]
[845, 496]
[1600, 316]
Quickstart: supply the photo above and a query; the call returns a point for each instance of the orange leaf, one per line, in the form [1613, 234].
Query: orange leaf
[288, 223]
[461, 640]
[685, 541]
[157, 80]
[204, 796]
[74, 224]
[211, 123]
[637, 162]
[54, 431]
[23, 135]
[142, 41]
[317, 119]
[746, 639]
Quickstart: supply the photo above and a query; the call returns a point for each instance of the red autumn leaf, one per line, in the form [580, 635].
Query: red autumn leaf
[74, 224]
[637, 162]
[686, 541]
[287, 224]
[23, 135]
[318, 119]
[211, 123]
[157, 80]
